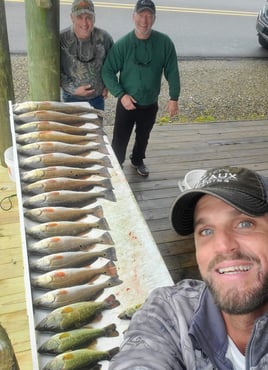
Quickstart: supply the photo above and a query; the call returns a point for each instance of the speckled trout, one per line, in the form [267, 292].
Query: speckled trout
[44, 147]
[65, 183]
[72, 276]
[58, 244]
[63, 171]
[62, 159]
[48, 115]
[76, 315]
[68, 198]
[33, 137]
[60, 228]
[46, 214]
[57, 126]
[77, 338]
[76, 108]
[78, 293]
[70, 259]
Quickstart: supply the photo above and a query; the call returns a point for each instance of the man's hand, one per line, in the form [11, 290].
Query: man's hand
[128, 102]
[105, 93]
[84, 90]
[172, 107]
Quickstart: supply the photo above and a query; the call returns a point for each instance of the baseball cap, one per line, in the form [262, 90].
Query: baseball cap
[243, 189]
[82, 6]
[145, 5]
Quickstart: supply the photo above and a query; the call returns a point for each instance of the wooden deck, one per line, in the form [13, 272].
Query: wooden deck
[173, 151]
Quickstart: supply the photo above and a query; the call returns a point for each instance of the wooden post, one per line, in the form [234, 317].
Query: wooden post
[6, 85]
[42, 28]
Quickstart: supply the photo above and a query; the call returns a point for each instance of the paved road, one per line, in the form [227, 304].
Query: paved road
[197, 32]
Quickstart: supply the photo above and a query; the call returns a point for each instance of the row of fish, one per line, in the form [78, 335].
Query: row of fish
[64, 171]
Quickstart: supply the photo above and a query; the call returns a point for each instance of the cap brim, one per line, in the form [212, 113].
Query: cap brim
[182, 210]
[145, 8]
[82, 11]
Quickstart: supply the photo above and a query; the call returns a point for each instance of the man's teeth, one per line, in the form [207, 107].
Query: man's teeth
[232, 269]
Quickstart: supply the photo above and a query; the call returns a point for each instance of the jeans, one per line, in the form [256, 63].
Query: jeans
[144, 118]
[97, 103]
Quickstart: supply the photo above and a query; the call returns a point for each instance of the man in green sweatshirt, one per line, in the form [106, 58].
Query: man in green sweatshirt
[132, 72]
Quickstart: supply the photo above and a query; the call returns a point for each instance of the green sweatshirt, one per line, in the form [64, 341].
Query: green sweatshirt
[135, 67]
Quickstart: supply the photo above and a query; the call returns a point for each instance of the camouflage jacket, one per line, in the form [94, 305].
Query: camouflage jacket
[180, 328]
[81, 60]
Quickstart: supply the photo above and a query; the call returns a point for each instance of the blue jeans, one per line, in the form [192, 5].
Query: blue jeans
[97, 103]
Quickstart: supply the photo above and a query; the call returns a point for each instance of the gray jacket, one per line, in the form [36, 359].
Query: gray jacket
[180, 328]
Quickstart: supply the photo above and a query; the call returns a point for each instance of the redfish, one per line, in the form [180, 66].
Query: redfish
[46, 214]
[58, 244]
[65, 183]
[78, 293]
[72, 276]
[79, 359]
[56, 106]
[32, 137]
[49, 115]
[77, 338]
[44, 147]
[57, 126]
[68, 198]
[62, 159]
[60, 228]
[63, 171]
[70, 259]
[76, 315]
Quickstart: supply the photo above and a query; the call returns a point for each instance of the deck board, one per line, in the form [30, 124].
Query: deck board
[173, 150]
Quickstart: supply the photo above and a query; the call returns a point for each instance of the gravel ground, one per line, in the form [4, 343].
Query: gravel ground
[211, 90]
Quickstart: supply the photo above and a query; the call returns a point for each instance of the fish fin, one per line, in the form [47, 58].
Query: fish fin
[111, 269]
[106, 183]
[107, 239]
[110, 331]
[107, 162]
[112, 352]
[111, 302]
[114, 280]
[103, 149]
[110, 254]
[109, 195]
[103, 224]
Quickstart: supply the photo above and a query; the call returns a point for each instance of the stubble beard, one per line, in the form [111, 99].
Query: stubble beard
[239, 302]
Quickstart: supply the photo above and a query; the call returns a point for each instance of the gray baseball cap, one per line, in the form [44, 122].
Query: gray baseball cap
[243, 189]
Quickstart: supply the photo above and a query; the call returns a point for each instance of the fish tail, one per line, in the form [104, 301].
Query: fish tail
[110, 302]
[107, 161]
[103, 224]
[110, 254]
[107, 239]
[109, 195]
[103, 171]
[98, 211]
[111, 269]
[114, 280]
[110, 331]
[106, 183]
[112, 352]
[103, 150]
